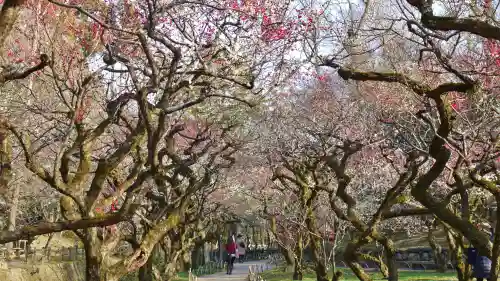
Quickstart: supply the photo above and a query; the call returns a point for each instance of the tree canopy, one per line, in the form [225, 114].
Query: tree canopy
[145, 124]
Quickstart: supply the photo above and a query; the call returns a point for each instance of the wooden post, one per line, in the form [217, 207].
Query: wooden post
[26, 251]
[17, 249]
[33, 255]
[3, 254]
[73, 253]
[221, 251]
[48, 254]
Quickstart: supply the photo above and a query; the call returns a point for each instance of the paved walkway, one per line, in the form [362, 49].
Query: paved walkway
[240, 272]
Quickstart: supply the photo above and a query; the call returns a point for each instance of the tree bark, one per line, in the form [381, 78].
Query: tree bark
[384, 270]
[421, 194]
[8, 16]
[197, 255]
[320, 268]
[315, 238]
[146, 271]
[287, 255]
[283, 247]
[390, 253]
[298, 273]
[437, 251]
[445, 23]
[463, 269]
[350, 256]
[96, 252]
[92, 258]
[13, 208]
[170, 271]
[51, 227]
[13, 214]
[5, 157]
[337, 276]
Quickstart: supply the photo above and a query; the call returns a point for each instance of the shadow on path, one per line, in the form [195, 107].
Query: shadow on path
[240, 272]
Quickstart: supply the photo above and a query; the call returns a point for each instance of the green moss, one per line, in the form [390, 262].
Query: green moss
[401, 199]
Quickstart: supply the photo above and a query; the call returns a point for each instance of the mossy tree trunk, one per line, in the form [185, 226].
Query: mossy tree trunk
[464, 270]
[93, 258]
[384, 270]
[314, 235]
[437, 250]
[351, 258]
[390, 256]
[298, 270]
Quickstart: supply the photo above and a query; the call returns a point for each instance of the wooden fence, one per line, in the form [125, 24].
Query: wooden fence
[192, 276]
[209, 268]
[21, 252]
[254, 272]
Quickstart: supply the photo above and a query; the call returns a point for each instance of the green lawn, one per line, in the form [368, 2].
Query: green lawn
[182, 276]
[279, 275]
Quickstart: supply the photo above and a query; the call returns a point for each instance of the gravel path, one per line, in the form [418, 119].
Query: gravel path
[240, 272]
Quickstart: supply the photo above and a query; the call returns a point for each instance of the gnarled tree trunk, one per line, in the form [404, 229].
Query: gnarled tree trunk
[97, 254]
[315, 238]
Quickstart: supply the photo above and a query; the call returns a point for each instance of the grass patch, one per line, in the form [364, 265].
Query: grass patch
[182, 276]
[279, 275]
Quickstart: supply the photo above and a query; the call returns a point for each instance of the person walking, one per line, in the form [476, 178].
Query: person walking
[232, 252]
[241, 248]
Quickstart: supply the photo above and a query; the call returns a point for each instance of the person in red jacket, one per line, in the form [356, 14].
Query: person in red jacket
[232, 252]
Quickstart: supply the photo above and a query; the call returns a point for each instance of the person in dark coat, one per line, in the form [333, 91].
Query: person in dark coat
[482, 264]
